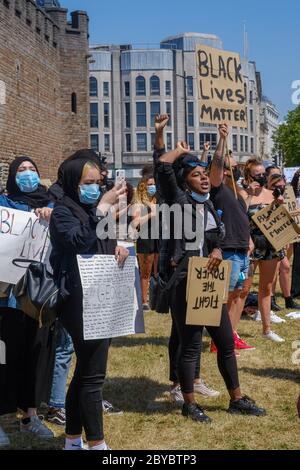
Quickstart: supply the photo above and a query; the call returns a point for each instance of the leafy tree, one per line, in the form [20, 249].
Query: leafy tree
[287, 138]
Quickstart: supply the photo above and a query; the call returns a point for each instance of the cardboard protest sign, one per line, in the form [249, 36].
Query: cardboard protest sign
[277, 225]
[23, 239]
[109, 309]
[291, 205]
[222, 93]
[206, 293]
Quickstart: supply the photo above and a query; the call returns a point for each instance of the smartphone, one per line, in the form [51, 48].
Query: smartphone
[120, 177]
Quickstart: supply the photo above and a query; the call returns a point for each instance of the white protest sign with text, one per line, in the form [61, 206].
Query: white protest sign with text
[109, 309]
[23, 239]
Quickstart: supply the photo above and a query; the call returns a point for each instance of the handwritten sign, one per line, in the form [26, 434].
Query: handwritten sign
[222, 93]
[206, 292]
[277, 225]
[291, 205]
[23, 239]
[109, 309]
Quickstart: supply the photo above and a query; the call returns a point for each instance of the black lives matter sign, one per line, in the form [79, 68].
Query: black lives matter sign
[221, 88]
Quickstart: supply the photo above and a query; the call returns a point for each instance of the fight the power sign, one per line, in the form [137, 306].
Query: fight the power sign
[222, 93]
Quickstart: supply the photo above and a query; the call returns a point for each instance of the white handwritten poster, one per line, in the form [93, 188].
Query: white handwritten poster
[23, 239]
[109, 309]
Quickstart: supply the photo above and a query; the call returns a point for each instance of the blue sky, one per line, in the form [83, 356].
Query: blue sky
[273, 30]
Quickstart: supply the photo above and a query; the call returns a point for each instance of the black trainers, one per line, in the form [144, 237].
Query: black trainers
[245, 406]
[57, 416]
[291, 304]
[196, 413]
[110, 409]
[274, 305]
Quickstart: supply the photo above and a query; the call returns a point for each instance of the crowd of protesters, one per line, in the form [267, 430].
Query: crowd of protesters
[38, 360]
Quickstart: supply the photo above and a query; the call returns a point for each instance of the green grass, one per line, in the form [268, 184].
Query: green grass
[138, 383]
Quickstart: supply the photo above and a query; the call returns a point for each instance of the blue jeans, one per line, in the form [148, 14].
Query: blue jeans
[240, 268]
[63, 359]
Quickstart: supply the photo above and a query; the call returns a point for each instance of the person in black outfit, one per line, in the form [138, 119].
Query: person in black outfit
[165, 253]
[296, 262]
[73, 231]
[189, 187]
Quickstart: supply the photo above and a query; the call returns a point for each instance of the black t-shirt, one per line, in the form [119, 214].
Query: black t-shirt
[234, 217]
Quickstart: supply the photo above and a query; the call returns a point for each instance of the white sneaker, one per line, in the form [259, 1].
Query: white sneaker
[203, 389]
[176, 396]
[273, 337]
[276, 319]
[4, 439]
[293, 315]
[35, 426]
[257, 316]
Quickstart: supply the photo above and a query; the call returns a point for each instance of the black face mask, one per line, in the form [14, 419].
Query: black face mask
[236, 173]
[261, 180]
[279, 191]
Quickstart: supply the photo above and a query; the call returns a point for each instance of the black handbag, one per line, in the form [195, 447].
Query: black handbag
[39, 295]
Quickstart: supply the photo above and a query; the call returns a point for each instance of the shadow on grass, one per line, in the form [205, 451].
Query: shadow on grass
[132, 341]
[272, 373]
[142, 395]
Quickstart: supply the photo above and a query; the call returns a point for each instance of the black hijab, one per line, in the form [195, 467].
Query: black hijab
[56, 190]
[37, 199]
[71, 177]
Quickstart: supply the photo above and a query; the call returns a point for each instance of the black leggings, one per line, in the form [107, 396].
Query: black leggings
[191, 342]
[84, 397]
[174, 354]
[296, 271]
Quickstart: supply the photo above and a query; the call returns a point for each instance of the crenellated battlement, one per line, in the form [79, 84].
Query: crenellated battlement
[48, 24]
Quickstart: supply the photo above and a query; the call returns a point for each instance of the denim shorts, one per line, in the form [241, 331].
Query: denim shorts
[240, 268]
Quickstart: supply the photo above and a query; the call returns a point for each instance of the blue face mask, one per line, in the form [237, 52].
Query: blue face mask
[27, 181]
[89, 193]
[151, 190]
[200, 198]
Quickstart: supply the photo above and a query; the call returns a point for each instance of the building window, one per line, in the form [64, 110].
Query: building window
[191, 140]
[242, 143]
[153, 137]
[190, 86]
[190, 114]
[106, 143]
[251, 121]
[235, 143]
[94, 115]
[141, 142]
[154, 110]
[128, 142]
[246, 144]
[154, 86]
[169, 112]
[211, 138]
[105, 88]
[169, 141]
[140, 84]
[127, 115]
[251, 97]
[93, 86]
[127, 88]
[168, 88]
[74, 103]
[106, 115]
[252, 145]
[95, 142]
[141, 118]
